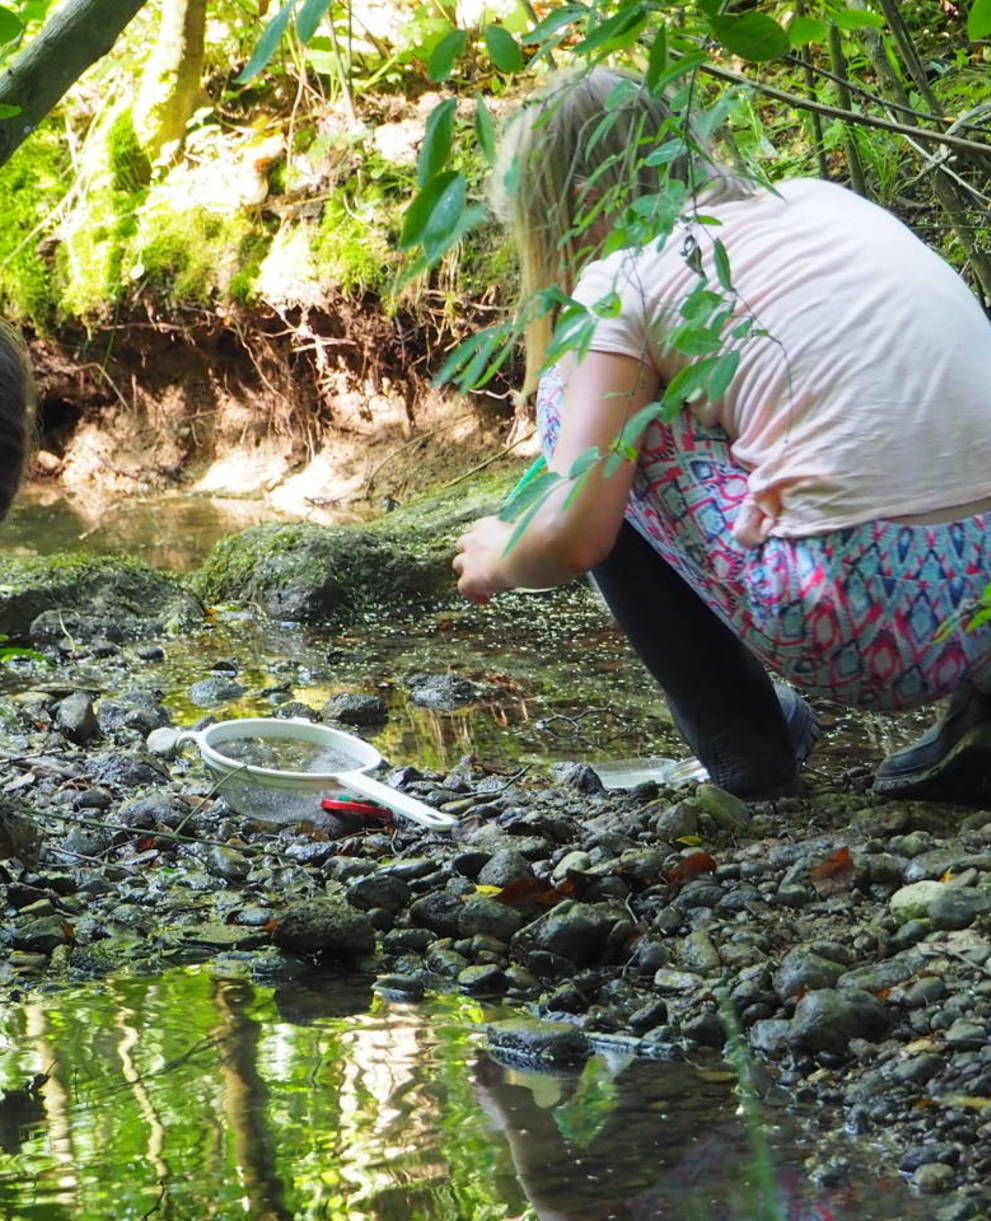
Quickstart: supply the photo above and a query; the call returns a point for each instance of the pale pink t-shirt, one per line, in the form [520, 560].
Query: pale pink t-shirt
[871, 395]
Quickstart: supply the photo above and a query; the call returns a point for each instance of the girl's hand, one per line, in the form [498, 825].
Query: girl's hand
[479, 559]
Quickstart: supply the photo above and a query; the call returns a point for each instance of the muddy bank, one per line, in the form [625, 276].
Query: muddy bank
[322, 413]
[847, 938]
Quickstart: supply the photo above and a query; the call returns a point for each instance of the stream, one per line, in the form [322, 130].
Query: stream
[206, 1092]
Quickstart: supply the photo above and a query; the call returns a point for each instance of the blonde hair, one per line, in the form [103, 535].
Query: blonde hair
[575, 149]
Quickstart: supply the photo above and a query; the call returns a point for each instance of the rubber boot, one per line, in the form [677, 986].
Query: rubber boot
[952, 759]
[720, 697]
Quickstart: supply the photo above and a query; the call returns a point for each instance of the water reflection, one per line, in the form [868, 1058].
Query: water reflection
[173, 532]
[196, 1096]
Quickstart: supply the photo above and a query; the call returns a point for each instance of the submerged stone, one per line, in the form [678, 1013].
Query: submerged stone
[538, 1041]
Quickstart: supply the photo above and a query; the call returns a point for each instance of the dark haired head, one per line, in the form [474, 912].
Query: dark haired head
[16, 399]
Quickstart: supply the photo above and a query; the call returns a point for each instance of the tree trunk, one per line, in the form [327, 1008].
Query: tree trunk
[77, 34]
[170, 86]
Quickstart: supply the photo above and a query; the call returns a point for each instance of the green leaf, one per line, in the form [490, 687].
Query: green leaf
[694, 340]
[609, 306]
[437, 138]
[720, 259]
[857, 19]
[699, 304]
[753, 36]
[557, 19]
[445, 55]
[526, 495]
[657, 59]
[679, 68]
[618, 31]
[11, 26]
[451, 221]
[722, 373]
[711, 7]
[309, 17]
[8, 112]
[979, 20]
[584, 462]
[573, 333]
[270, 39]
[666, 153]
[803, 30]
[419, 212]
[485, 129]
[503, 48]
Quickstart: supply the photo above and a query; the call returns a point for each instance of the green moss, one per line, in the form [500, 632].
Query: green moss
[351, 249]
[32, 183]
[192, 256]
[97, 233]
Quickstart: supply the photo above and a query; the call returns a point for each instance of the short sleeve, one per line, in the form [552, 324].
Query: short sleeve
[610, 288]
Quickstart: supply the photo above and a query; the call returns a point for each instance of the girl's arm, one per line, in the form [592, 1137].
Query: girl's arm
[561, 542]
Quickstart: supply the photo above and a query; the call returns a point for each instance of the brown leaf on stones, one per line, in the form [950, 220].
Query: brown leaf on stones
[831, 876]
[691, 866]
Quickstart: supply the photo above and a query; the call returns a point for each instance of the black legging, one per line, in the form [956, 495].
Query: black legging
[720, 697]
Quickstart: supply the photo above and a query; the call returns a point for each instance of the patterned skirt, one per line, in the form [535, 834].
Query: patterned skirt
[873, 616]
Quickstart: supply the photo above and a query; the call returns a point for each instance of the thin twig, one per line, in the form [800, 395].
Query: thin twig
[488, 461]
[850, 116]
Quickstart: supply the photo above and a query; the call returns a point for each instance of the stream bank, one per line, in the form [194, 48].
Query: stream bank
[848, 937]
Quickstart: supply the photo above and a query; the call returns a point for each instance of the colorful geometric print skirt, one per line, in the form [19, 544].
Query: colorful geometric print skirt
[873, 616]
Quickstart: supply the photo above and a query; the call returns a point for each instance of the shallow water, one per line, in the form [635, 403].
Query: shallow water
[203, 1095]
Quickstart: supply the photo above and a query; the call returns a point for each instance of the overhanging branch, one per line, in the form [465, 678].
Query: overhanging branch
[945, 138]
[76, 35]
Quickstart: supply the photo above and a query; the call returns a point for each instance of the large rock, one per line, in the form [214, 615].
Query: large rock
[112, 595]
[324, 927]
[828, 1018]
[307, 573]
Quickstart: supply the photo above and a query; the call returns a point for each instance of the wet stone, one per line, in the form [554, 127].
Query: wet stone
[802, 970]
[93, 799]
[214, 691]
[324, 927]
[933, 1178]
[726, 810]
[163, 742]
[698, 953]
[677, 821]
[965, 1033]
[442, 692]
[135, 710]
[827, 1019]
[912, 902]
[439, 912]
[579, 777]
[379, 890]
[480, 914]
[574, 931]
[484, 980]
[959, 907]
[87, 841]
[536, 1041]
[504, 868]
[227, 863]
[122, 770]
[75, 718]
[39, 936]
[917, 1070]
[354, 708]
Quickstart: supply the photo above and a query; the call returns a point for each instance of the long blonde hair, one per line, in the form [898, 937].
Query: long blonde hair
[580, 140]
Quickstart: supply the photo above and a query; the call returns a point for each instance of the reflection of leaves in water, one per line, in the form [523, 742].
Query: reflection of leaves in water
[582, 1117]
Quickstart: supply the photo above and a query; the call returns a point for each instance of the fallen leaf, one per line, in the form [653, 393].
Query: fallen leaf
[691, 866]
[974, 1101]
[831, 876]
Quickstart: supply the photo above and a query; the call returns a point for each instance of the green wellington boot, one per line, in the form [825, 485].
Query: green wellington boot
[951, 761]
